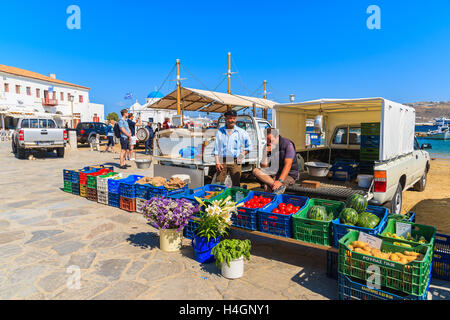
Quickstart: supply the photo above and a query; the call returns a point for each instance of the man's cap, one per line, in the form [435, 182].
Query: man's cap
[230, 113]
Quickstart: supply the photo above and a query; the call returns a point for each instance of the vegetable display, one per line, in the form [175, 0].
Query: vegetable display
[354, 214]
[403, 258]
[211, 194]
[256, 202]
[285, 209]
[409, 237]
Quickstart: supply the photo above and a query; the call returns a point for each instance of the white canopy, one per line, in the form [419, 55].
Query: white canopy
[209, 101]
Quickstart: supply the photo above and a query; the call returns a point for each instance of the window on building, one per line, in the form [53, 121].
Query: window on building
[17, 89]
[81, 98]
[6, 87]
[68, 96]
[28, 91]
[54, 95]
[38, 93]
[62, 96]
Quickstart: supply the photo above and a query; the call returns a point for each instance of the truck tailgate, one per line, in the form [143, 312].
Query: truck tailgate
[43, 135]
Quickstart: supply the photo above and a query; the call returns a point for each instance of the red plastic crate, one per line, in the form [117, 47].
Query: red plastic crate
[83, 175]
[128, 204]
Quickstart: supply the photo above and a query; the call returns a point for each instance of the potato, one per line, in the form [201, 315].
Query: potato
[394, 257]
[359, 250]
[403, 261]
[410, 258]
[351, 247]
[411, 253]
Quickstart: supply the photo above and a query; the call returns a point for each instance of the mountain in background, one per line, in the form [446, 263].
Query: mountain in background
[427, 110]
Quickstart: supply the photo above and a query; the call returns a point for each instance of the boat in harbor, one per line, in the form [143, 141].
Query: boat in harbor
[442, 132]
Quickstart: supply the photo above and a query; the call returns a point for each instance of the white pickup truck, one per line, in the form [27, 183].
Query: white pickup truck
[186, 151]
[391, 154]
[38, 133]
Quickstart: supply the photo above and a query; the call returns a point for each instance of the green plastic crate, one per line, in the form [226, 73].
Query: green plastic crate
[229, 192]
[370, 129]
[417, 230]
[313, 231]
[68, 186]
[92, 182]
[369, 154]
[411, 278]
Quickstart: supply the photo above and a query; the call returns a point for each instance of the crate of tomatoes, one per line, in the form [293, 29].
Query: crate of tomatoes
[276, 217]
[247, 215]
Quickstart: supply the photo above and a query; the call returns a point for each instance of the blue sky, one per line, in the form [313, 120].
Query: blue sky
[313, 49]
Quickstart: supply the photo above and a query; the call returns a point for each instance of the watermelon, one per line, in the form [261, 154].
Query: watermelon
[367, 220]
[318, 213]
[349, 216]
[357, 202]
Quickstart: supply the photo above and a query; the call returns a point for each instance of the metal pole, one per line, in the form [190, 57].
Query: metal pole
[71, 102]
[179, 93]
[229, 77]
[265, 97]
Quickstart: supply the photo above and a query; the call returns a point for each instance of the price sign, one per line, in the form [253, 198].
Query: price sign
[373, 241]
[402, 229]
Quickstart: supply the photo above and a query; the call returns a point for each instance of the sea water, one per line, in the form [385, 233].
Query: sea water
[440, 148]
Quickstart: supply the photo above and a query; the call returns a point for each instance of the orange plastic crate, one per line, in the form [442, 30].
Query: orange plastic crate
[128, 204]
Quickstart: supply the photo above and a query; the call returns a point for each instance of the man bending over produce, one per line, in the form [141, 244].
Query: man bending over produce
[279, 166]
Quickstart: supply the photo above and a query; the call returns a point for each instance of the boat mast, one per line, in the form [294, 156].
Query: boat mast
[229, 78]
[265, 97]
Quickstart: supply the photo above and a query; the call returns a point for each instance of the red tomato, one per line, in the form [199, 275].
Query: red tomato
[276, 210]
[282, 206]
[289, 207]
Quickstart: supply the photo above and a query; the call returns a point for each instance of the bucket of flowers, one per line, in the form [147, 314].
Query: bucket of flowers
[213, 224]
[170, 216]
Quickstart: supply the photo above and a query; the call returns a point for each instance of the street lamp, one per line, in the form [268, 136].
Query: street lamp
[71, 102]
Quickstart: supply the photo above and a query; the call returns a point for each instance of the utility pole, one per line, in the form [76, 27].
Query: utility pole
[179, 93]
[229, 73]
[265, 97]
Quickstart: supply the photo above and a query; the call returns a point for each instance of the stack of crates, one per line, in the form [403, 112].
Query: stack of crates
[102, 186]
[123, 188]
[91, 190]
[396, 281]
[72, 180]
[67, 179]
[142, 194]
[370, 142]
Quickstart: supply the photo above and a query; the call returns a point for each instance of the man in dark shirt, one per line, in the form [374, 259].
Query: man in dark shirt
[132, 141]
[279, 166]
[149, 142]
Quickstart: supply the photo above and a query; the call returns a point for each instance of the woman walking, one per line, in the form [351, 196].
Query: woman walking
[110, 136]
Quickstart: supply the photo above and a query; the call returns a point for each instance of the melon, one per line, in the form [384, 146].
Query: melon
[349, 216]
[368, 220]
[357, 202]
[318, 213]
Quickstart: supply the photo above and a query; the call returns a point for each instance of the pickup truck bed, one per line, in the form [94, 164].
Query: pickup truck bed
[328, 188]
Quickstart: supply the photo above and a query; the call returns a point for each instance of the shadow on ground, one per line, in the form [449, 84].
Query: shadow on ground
[434, 212]
[144, 240]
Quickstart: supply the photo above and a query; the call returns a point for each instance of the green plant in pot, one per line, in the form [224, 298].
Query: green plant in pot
[213, 224]
[230, 254]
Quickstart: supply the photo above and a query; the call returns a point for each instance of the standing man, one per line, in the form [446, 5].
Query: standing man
[110, 136]
[132, 143]
[149, 142]
[279, 166]
[166, 124]
[125, 137]
[231, 145]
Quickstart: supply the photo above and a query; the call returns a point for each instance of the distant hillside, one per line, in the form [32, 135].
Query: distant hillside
[427, 110]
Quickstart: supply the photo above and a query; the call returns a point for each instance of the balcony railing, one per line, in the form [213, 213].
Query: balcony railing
[49, 102]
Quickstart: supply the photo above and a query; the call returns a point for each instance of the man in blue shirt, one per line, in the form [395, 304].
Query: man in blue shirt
[125, 137]
[231, 145]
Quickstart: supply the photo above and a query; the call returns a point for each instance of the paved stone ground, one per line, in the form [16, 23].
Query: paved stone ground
[44, 231]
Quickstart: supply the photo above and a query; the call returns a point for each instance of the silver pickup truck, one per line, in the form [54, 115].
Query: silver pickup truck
[38, 133]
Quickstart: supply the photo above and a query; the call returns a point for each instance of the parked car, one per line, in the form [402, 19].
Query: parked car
[86, 131]
[38, 133]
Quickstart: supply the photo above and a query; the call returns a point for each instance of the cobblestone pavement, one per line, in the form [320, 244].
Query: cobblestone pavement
[44, 232]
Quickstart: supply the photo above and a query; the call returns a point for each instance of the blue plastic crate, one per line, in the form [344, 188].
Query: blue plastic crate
[142, 191]
[114, 199]
[279, 224]
[332, 264]
[127, 187]
[247, 218]
[344, 170]
[76, 189]
[352, 289]
[441, 257]
[67, 175]
[164, 192]
[340, 230]
[189, 229]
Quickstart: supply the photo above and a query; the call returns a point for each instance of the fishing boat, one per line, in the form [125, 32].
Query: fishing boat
[442, 132]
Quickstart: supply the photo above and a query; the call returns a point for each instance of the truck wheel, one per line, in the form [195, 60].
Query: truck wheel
[21, 153]
[421, 184]
[60, 152]
[395, 205]
[14, 149]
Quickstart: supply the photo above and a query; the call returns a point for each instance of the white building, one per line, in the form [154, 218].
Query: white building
[26, 92]
[153, 115]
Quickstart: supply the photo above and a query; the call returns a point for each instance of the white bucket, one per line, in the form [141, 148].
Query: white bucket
[170, 240]
[235, 270]
[364, 180]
